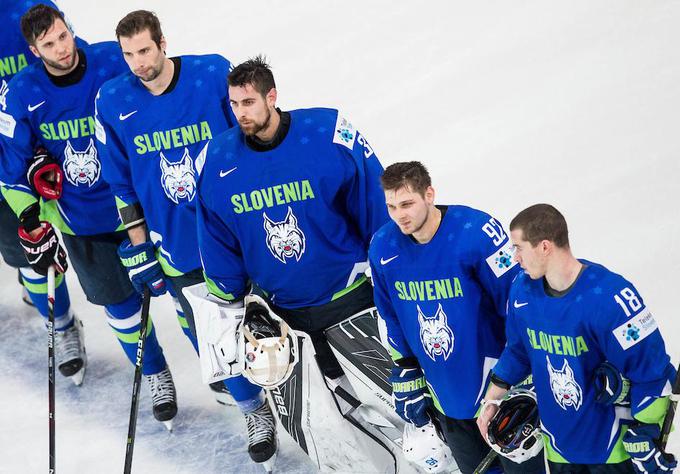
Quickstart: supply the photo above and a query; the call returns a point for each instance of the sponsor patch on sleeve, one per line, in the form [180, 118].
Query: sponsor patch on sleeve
[345, 133]
[7, 125]
[501, 260]
[635, 329]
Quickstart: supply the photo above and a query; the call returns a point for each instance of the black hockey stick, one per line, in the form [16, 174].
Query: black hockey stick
[132, 425]
[50, 365]
[670, 414]
[485, 464]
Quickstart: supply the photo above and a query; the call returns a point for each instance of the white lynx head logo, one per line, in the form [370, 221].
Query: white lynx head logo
[284, 239]
[435, 334]
[81, 167]
[179, 179]
[3, 95]
[564, 387]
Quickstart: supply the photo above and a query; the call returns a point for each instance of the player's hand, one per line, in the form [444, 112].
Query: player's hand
[45, 175]
[489, 409]
[42, 248]
[641, 445]
[611, 387]
[410, 394]
[143, 267]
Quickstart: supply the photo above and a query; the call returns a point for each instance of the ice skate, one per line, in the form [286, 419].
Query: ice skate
[163, 396]
[70, 348]
[222, 394]
[262, 443]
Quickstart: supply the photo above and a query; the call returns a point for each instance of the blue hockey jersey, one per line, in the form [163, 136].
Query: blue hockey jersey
[153, 149]
[296, 219]
[561, 340]
[61, 118]
[444, 302]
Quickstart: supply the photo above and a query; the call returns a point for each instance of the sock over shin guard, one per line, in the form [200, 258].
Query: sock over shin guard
[36, 286]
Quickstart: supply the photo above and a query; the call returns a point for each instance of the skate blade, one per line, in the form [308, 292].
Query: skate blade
[78, 377]
[168, 424]
[224, 399]
[268, 465]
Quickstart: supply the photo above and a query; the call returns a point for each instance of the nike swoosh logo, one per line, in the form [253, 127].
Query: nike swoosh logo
[519, 305]
[126, 116]
[31, 108]
[224, 173]
[386, 261]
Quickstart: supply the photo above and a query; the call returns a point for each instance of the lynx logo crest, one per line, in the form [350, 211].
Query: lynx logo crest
[284, 239]
[564, 387]
[435, 334]
[81, 167]
[3, 95]
[179, 179]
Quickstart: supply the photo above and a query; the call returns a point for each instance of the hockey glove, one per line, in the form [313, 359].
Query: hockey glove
[611, 387]
[43, 250]
[410, 394]
[143, 267]
[44, 175]
[640, 444]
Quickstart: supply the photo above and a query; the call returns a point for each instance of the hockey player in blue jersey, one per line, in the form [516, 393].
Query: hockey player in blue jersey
[441, 277]
[14, 56]
[51, 104]
[572, 323]
[289, 202]
[155, 123]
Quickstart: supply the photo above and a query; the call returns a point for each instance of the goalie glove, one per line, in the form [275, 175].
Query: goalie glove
[45, 175]
[410, 394]
[640, 444]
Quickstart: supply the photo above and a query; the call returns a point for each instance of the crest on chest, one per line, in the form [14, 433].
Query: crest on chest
[81, 167]
[435, 334]
[284, 238]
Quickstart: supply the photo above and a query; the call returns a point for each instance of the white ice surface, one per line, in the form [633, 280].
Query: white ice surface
[508, 103]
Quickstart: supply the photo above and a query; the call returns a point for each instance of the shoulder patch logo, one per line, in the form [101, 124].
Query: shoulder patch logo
[435, 334]
[563, 385]
[284, 239]
[635, 330]
[179, 179]
[81, 167]
[345, 133]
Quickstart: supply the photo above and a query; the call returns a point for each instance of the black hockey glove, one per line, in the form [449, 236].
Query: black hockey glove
[44, 174]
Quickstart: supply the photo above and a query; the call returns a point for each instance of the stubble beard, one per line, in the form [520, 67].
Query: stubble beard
[59, 66]
[254, 128]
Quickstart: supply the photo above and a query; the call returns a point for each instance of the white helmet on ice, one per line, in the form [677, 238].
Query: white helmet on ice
[424, 447]
[269, 345]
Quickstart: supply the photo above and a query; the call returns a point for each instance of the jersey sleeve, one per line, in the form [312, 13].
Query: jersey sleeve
[116, 166]
[631, 341]
[399, 348]
[364, 198]
[221, 255]
[492, 260]
[513, 366]
[18, 143]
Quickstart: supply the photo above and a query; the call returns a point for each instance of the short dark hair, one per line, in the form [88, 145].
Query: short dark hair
[542, 222]
[255, 72]
[137, 21]
[408, 174]
[37, 20]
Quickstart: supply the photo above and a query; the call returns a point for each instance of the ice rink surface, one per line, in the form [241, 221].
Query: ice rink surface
[507, 103]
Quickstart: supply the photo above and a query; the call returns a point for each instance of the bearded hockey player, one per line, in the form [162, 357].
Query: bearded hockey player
[571, 321]
[154, 125]
[288, 202]
[16, 55]
[441, 276]
[51, 104]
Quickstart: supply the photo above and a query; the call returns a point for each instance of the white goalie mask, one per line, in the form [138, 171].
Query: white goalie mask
[424, 448]
[268, 345]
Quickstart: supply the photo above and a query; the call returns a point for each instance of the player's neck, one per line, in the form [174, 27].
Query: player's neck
[161, 83]
[563, 270]
[427, 231]
[267, 134]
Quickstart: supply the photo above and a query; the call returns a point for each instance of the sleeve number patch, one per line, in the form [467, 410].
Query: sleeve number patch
[368, 151]
[494, 230]
[628, 301]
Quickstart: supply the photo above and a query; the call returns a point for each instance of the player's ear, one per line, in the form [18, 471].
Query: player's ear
[34, 50]
[271, 97]
[163, 44]
[429, 195]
